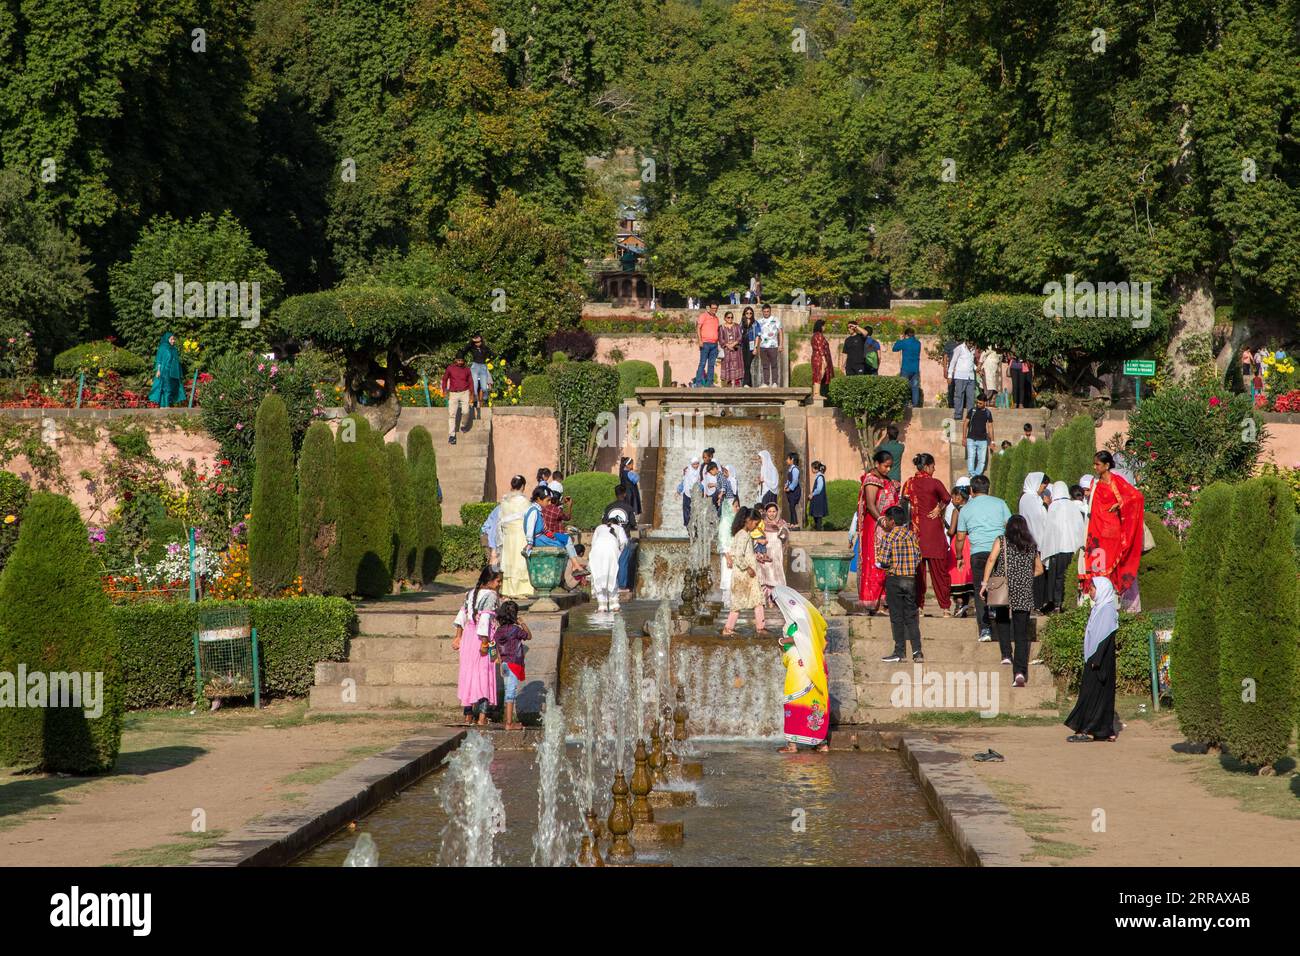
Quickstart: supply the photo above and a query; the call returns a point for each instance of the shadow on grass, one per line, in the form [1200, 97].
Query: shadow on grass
[1231, 764]
[22, 793]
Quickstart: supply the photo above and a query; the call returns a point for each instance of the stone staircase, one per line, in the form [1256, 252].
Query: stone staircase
[962, 663]
[462, 467]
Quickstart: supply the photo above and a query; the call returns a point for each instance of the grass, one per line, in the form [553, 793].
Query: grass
[968, 718]
[1038, 822]
[1224, 776]
[319, 773]
[170, 854]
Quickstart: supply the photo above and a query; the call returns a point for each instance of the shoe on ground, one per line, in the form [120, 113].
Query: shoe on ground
[451, 439]
[892, 658]
[1020, 680]
[986, 637]
[1006, 661]
[918, 658]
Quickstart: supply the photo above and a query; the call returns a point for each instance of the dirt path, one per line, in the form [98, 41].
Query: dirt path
[232, 766]
[1157, 807]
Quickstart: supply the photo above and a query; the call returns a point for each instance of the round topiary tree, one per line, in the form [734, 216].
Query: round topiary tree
[634, 374]
[318, 533]
[273, 528]
[842, 503]
[1256, 621]
[376, 330]
[405, 536]
[537, 390]
[93, 356]
[55, 621]
[365, 509]
[428, 509]
[870, 401]
[801, 375]
[591, 492]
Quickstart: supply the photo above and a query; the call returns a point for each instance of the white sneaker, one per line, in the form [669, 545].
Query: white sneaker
[614, 606]
[602, 606]
[1007, 661]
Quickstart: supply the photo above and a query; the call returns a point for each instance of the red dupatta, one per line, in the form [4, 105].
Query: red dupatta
[823, 370]
[1115, 537]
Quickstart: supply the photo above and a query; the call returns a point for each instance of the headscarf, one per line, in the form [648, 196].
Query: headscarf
[1065, 528]
[1103, 620]
[1031, 508]
[768, 478]
[167, 359]
[730, 489]
[962, 482]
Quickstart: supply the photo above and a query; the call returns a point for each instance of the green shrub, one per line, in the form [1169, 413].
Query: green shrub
[1060, 639]
[92, 356]
[318, 542]
[54, 617]
[537, 390]
[14, 496]
[801, 376]
[1161, 572]
[365, 510]
[474, 513]
[203, 250]
[634, 374]
[1012, 477]
[583, 390]
[423, 461]
[461, 548]
[292, 635]
[1195, 647]
[1037, 460]
[591, 492]
[870, 400]
[1257, 624]
[666, 377]
[1193, 441]
[841, 503]
[273, 528]
[403, 561]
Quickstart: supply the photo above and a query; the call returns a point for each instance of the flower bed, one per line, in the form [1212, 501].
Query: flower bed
[105, 389]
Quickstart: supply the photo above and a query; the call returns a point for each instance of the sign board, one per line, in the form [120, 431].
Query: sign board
[1143, 367]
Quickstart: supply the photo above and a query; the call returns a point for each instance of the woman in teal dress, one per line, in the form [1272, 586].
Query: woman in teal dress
[167, 388]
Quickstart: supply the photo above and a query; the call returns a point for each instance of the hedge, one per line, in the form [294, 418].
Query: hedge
[474, 513]
[801, 376]
[14, 496]
[1196, 636]
[423, 462]
[405, 534]
[365, 510]
[1061, 649]
[842, 503]
[273, 528]
[1256, 623]
[461, 549]
[54, 617]
[292, 635]
[318, 542]
[1161, 572]
[870, 399]
[634, 374]
[537, 390]
[93, 356]
[591, 491]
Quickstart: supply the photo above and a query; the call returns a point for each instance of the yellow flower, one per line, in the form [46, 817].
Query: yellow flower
[10, 519]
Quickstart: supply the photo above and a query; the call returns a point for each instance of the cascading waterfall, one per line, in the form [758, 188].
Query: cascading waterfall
[661, 655]
[702, 530]
[472, 802]
[616, 692]
[558, 825]
[731, 691]
[589, 690]
[638, 690]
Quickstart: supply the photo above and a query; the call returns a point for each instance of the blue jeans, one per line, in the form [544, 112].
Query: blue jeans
[963, 397]
[512, 683]
[626, 559]
[708, 356]
[482, 380]
[555, 541]
[914, 378]
[977, 456]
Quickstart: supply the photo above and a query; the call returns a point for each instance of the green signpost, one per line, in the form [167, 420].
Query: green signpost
[1139, 369]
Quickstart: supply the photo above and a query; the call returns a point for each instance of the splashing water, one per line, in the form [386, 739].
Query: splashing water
[731, 691]
[589, 689]
[615, 699]
[558, 826]
[661, 655]
[702, 530]
[472, 802]
[365, 853]
[638, 689]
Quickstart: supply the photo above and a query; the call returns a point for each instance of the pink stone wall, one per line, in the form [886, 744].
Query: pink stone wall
[524, 438]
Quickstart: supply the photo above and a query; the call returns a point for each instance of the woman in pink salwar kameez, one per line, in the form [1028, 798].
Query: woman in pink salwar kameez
[476, 684]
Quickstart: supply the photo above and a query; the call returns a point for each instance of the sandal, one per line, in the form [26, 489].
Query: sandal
[989, 755]
[726, 633]
[1079, 739]
[788, 749]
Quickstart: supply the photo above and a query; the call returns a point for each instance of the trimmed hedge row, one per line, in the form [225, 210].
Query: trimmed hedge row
[292, 633]
[1061, 640]
[461, 548]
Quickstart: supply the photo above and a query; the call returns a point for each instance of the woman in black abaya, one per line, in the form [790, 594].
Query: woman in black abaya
[1093, 717]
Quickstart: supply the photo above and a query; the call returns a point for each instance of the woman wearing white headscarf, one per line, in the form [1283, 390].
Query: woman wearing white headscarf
[690, 475]
[1093, 717]
[1063, 536]
[1032, 508]
[769, 482]
[607, 543]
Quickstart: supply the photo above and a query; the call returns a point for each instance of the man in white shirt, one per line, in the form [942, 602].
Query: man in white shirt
[961, 369]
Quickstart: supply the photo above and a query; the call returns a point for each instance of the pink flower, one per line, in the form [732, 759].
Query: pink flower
[1214, 401]
[239, 427]
[1194, 488]
[260, 366]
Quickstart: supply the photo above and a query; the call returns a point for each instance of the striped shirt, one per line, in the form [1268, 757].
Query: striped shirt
[897, 552]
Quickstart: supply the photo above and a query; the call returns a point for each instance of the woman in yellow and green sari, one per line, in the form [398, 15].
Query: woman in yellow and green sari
[807, 696]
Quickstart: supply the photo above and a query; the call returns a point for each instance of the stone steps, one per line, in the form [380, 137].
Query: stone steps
[329, 699]
[463, 467]
[388, 673]
[393, 650]
[958, 695]
[402, 622]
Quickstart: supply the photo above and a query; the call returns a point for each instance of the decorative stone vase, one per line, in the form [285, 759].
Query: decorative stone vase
[830, 574]
[545, 572]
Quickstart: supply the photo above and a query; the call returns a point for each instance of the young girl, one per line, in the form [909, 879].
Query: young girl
[476, 683]
[818, 505]
[959, 579]
[510, 636]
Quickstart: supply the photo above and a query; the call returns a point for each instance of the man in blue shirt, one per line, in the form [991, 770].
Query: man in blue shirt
[910, 367]
[983, 520]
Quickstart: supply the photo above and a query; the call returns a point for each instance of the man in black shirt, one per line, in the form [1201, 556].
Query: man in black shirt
[855, 351]
[477, 354]
[978, 435]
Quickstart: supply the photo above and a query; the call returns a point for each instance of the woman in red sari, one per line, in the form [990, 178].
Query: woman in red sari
[823, 369]
[876, 495]
[1114, 545]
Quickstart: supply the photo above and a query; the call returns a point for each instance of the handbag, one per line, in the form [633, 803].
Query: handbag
[999, 589]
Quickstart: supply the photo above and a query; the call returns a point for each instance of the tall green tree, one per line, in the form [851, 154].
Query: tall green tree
[318, 514]
[423, 462]
[365, 509]
[273, 528]
[405, 532]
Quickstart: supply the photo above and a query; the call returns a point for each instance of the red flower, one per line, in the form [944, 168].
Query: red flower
[1214, 401]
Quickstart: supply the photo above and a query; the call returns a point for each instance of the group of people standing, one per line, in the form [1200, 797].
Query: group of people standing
[1003, 567]
[749, 349]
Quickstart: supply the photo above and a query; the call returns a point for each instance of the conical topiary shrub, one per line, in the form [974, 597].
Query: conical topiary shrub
[1083, 448]
[1257, 625]
[424, 501]
[318, 508]
[404, 534]
[1196, 641]
[365, 510]
[273, 528]
[55, 622]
